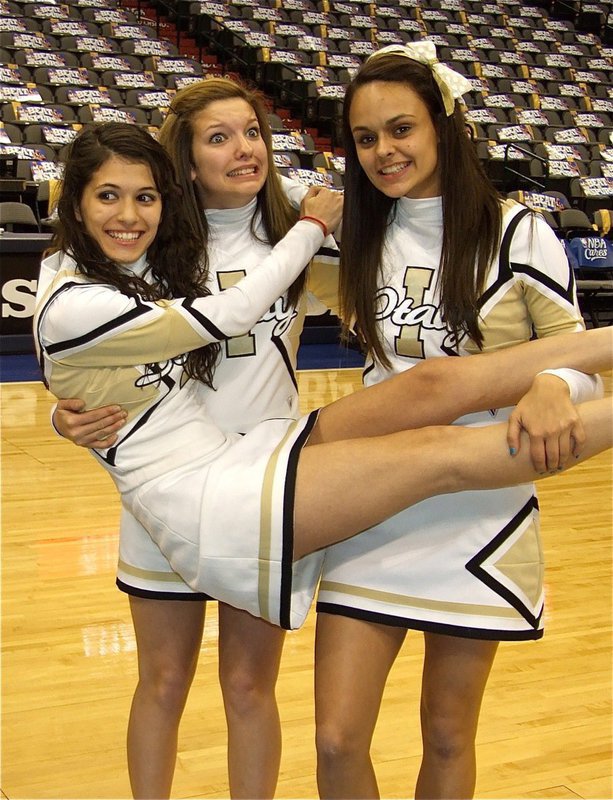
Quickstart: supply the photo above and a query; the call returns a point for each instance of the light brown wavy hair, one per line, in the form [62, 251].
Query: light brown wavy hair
[176, 135]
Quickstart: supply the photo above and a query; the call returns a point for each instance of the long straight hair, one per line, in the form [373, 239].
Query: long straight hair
[177, 134]
[472, 219]
[173, 257]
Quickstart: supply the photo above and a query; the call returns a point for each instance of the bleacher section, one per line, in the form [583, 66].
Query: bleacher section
[540, 109]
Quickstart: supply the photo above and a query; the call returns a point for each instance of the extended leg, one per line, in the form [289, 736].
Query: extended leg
[345, 487]
[439, 390]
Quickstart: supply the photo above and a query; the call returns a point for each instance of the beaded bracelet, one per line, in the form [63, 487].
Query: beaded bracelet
[319, 222]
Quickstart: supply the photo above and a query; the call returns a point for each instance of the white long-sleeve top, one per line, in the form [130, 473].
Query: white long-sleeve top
[255, 377]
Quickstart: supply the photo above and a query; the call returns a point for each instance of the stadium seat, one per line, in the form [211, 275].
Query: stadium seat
[18, 217]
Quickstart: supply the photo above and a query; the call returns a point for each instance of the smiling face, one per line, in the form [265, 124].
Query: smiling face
[121, 209]
[395, 140]
[230, 160]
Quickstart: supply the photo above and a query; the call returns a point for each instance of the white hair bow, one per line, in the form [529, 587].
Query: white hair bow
[452, 85]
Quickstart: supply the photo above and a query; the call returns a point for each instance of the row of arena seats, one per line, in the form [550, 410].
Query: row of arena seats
[536, 81]
[565, 220]
[436, 17]
[341, 56]
[65, 65]
[541, 104]
[304, 56]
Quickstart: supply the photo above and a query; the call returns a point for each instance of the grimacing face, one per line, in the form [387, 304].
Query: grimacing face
[121, 209]
[395, 140]
[229, 155]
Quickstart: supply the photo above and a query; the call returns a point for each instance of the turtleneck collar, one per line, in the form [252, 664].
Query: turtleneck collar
[417, 211]
[225, 217]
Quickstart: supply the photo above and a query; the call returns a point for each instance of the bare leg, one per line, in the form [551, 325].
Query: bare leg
[249, 658]
[352, 661]
[439, 390]
[455, 674]
[168, 637]
[378, 477]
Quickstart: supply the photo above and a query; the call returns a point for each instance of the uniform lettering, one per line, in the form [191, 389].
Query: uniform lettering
[238, 346]
[406, 315]
[280, 313]
[409, 312]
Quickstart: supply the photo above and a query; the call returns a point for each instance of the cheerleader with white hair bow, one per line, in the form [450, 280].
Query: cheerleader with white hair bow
[434, 262]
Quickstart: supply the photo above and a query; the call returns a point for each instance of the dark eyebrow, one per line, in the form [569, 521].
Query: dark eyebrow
[398, 117]
[391, 121]
[116, 186]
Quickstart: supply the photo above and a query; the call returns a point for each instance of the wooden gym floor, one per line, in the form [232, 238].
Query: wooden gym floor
[69, 661]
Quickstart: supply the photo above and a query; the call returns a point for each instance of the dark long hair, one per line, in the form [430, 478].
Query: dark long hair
[177, 133]
[173, 257]
[472, 219]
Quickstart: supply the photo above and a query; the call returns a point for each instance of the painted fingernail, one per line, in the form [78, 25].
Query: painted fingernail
[512, 451]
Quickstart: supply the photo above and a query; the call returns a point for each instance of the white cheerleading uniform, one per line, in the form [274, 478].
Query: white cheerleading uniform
[219, 505]
[467, 564]
[254, 379]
